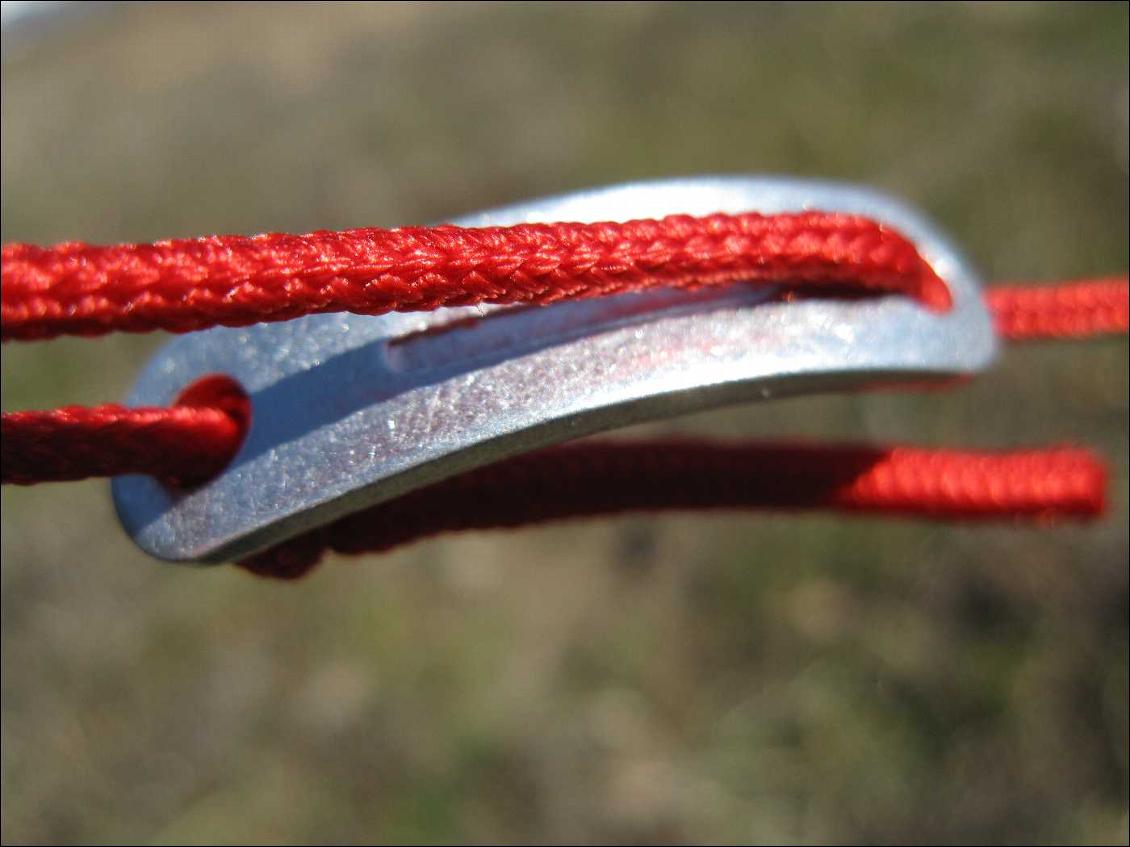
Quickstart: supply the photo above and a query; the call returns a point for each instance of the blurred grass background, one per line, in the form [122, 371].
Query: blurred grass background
[762, 678]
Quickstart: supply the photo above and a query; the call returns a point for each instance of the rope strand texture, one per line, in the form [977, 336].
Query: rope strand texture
[184, 285]
[181, 445]
[1077, 309]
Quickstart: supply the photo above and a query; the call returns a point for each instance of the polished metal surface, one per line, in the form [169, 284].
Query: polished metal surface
[351, 410]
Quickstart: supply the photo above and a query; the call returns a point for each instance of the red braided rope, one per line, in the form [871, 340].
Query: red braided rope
[186, 444]
[79, 289]
[1069, 310]
[593, 478]
[180, 445]
[185, 285]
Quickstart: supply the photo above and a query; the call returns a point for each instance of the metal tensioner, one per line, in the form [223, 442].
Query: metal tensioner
[350, 410]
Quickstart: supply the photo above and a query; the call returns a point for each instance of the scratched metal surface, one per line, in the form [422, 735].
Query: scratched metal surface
[351, 410]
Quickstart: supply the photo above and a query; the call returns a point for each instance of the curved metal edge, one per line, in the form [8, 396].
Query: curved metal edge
[255, 503]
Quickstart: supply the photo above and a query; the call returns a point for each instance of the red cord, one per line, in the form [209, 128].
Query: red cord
[1068, 310]
[587, 479]
[185, 285]
[79, 289]
[186, 444]
[180, 445]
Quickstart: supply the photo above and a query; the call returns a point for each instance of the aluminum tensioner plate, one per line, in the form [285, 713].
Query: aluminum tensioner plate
[350, 410]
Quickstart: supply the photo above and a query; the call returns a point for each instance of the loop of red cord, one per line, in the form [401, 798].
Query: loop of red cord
[185, 285]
